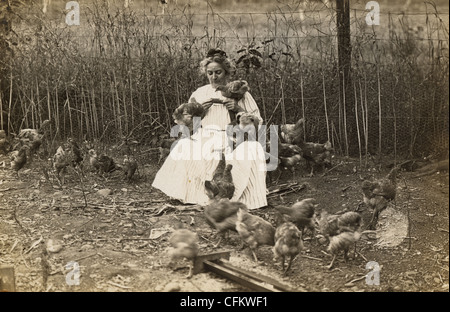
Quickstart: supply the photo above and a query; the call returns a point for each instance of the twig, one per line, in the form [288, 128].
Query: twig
[362, 256]
[323, 174]
[312, 258]
[118, 285]
[7, 189]
[443, 230]
[88, 256]
[356, 280]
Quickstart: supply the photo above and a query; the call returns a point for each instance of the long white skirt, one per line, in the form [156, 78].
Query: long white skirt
[193, 161]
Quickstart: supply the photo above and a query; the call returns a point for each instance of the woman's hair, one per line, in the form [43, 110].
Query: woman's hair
[220, 57]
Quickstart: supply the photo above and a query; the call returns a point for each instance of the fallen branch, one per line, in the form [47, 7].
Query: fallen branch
[362, 256]
[443, 230]
[355, 280]
[339, 164]
[118, 285]
[8, 189]
[312, 258]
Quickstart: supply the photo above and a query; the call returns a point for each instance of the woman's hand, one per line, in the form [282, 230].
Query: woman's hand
[232, 105]
[206, 105]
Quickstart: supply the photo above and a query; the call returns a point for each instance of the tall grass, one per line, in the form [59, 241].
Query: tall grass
[122, 72]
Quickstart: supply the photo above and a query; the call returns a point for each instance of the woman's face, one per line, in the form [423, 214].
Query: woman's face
[216, 74]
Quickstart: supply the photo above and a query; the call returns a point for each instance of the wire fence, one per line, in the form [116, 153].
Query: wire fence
[122, 72]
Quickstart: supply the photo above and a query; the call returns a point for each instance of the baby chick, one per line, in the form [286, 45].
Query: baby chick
[184, 244]
[288, 242]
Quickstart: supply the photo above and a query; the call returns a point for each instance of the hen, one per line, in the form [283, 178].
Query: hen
[184, 114]
[289, 155]
[244, 128]
[184, 244]
[378, 193]
[292, 133]
[301, 214]
[33, 137]
[74, 153]
[221, 186]
[234, 89]
[317, 154]
[164, 148]
[103, 163]
[222, 215]
[342, 231]
[288, 243]
[129, 167]
[19, 159]
[254, 231]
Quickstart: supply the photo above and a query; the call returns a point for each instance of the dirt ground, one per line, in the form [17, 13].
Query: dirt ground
[118, 242]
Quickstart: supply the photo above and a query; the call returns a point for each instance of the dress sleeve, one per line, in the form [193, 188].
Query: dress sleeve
[250, 106]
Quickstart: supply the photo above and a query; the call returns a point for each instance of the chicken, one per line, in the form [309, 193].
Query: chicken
[292, 133]
[332, 225]
[103, 163]
[60, 163]
[377, 194]
[342, 241]
[74, 153]
[19, 159]
[288, 243]
[33, 137]
[254, 231]
[184, 114]
[129, 167]
[289, 163]
[184, 244]
[234, 89]
[301, 214]
[243, 128]
[221, 186]
[4, 142]
[164, 148]
[342, 231]
[222, 215]
[317, 154]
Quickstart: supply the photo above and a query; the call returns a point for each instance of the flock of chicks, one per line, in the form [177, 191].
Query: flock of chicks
[67, 155]
[339, 231]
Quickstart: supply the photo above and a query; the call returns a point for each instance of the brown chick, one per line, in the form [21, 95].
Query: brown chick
[60, 163]
[184, 244]
[19, 159]
[184, 114]
[129, 167]
[74, 153]
[234, 89]
[317, 154]
[4, 142]
[254, 231]
[293, 133]
[221, 186]
[222, 215]
[103, 163]
[288, 243]
[289, 163]
[342, 242]
[301, 214]
[33, 137]
[332, 225]
[377, 194]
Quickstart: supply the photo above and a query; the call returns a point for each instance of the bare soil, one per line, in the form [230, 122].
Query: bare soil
[119, 241]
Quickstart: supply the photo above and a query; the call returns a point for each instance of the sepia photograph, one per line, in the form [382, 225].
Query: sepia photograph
[219, 149]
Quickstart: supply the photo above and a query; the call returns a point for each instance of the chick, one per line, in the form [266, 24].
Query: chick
[184, 244]
[60, 163]
[342, 241]
[377, 194]
[221, 186]
[19, 159]
[103, 163]
[301, 214]
[288, 243]
[234, 90]
[129, 167]
[254, 231]
[74, 151]
[222, 215]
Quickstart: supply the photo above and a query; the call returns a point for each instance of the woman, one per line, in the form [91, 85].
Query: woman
[193, 160]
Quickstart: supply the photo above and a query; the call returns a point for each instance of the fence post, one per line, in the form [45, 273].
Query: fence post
[345, 82]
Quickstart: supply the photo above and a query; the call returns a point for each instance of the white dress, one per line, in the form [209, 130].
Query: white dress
[194, 160]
